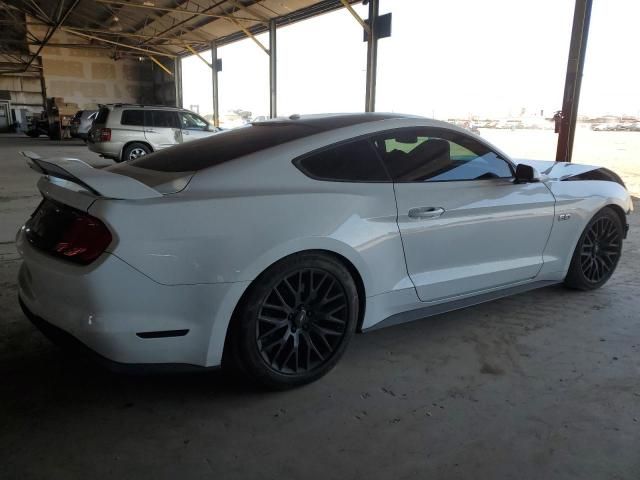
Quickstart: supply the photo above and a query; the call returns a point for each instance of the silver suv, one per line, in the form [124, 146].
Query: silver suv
[124, 132]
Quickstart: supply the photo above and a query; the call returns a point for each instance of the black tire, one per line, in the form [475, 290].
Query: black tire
[597, 252]
[134, 150]
[295, 321]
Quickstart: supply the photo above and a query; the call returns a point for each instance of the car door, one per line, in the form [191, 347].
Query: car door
[194, 127]
[465, 225]
[162, 128]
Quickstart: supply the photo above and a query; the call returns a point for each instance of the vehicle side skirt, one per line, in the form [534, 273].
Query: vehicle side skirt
[428, 311]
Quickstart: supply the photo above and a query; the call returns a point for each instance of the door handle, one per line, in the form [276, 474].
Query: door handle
[185, 132]
[426, 212]
[150, 131]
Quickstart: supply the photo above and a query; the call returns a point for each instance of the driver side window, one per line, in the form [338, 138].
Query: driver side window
[438, 155]
[190, 121]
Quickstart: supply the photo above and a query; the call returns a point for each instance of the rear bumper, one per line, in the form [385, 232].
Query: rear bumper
[106, 149]
[69, 342]
[124, 316]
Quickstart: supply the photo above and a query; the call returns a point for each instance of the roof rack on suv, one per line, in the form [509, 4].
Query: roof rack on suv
[137, 105]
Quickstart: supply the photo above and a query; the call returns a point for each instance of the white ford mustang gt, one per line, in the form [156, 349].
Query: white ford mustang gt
[268, 246]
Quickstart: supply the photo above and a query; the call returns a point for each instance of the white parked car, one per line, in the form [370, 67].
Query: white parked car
[271, 244]
[125, 132]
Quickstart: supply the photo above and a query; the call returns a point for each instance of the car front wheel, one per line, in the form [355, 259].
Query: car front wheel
[296, 320]
[598, 251]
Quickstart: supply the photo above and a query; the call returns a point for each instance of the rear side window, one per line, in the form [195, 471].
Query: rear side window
[132, 117]
[222, 147]
[349, 162]
[161, 119]
[102, 116]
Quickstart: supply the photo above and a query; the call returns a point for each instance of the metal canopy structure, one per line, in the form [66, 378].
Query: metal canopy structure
[166, 30]
[153, 28]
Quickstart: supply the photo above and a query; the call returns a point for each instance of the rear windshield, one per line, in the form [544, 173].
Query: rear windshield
[223, 147]
[102, 116]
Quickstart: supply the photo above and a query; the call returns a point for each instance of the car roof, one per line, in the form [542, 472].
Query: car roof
[137, 105]
[332, 121]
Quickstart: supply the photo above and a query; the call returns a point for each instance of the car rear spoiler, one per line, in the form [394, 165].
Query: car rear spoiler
[97, 181]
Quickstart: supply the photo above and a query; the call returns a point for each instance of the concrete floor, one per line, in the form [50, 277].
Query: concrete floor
[540, 385]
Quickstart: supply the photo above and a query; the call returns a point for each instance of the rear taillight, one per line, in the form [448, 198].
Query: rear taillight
[68, 233]
[84, 240]
[105, 134]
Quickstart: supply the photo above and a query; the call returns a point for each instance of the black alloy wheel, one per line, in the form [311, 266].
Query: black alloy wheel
[302, 321]
[598, 251]
[295, 321]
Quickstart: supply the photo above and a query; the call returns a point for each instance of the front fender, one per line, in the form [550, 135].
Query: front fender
[580, 200]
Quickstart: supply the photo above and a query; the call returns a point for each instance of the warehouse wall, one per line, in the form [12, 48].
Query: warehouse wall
[89, 76]
[24, 89]
[24, 94]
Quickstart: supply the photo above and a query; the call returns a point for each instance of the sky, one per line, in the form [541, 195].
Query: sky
[453, 59]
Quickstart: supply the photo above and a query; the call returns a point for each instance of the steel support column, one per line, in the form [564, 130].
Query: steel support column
[372, 57]
[43, 85]
[273, 71]
[214, 83]
[177, 80]
[575, 67]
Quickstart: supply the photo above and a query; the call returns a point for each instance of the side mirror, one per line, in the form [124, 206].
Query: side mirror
[526, 174]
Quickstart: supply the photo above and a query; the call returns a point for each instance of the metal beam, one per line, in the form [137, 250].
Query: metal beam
[355, 15]
[197, 54]
[160, 64]
[43, 84]
[573, 82]
[202, 13]
[177, 40]
[177, 80]
[249, 34]
[273, 70]
[372, 57]
[119, 44]
[214, 83]
[52, 30]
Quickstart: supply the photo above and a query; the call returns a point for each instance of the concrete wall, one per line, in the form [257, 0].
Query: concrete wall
[24, 89]
[24, 95]
[89, 76]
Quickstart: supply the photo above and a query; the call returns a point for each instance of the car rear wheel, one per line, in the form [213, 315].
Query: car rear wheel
[597, 253]
[134, 150]
[296, 320]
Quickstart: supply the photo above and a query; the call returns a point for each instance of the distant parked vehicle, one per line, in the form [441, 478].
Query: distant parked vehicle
[125, 132]
[81, 123]
[604, 127]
